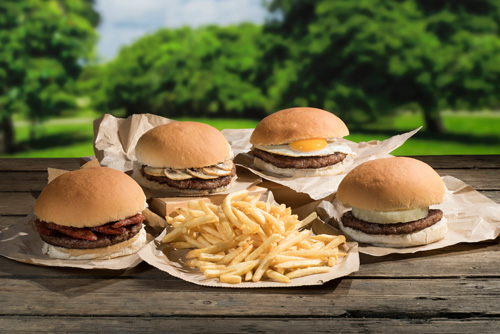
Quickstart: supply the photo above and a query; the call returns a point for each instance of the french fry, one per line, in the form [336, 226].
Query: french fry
[276, 276]
[306, 221]
[299, 264]
[231, 279]
[307, 271]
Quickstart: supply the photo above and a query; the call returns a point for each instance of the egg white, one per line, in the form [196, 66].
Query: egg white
[285, 149]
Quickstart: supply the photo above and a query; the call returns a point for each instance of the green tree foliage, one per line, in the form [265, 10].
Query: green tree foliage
[209, 71]
[376, 56]
[44, 43]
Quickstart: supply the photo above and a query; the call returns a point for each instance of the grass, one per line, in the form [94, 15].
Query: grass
[468, 133]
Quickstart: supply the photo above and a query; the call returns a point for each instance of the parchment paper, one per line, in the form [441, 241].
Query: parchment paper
[22, 243]
[471, 216]
[317, 187]
[172, 261]
[114, 146]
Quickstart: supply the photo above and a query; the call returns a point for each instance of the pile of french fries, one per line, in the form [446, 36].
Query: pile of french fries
[248, 239]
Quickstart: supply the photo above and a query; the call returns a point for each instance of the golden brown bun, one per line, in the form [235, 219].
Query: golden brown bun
[391, 184]
[293, 124]
[423, 237]
[130, 246]
[182, 145]
[90, 197]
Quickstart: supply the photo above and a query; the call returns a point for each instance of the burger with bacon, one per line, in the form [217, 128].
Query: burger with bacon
[300, 142]
[184, 157]
[391, 203]
[91, 213]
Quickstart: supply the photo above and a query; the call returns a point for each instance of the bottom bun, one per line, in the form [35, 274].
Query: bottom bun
[167, 190]
[130, 246]
[299, 172]
[423, 237]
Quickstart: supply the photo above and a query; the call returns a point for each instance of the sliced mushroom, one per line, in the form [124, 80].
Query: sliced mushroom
[200, 174]
[156, 171]
[176, 174]
[216, 171]
[226, 165]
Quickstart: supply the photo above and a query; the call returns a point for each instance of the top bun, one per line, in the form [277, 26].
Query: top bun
[182, 145]
[293, 124]
[391, 184]
[90, 197]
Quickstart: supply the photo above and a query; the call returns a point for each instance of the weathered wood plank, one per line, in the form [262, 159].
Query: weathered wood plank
[480, 179]
[461, 161]
[395, 298]
[221, 325]
[16, 203]
[23, 181]
[38, 164]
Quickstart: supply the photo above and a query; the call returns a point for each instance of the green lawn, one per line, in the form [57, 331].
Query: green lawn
[468, 133]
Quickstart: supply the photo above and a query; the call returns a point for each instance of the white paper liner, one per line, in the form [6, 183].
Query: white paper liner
[173, 263]
[472, 217]
[22, 243]
[114, 146]
[317, 187]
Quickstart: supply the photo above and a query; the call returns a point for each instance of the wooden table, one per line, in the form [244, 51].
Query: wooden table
[454, 290]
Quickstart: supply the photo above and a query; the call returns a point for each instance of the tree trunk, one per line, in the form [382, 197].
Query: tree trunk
[7, 138]
[433, 121]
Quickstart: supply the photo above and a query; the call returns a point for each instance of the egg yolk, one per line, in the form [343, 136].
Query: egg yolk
[308, 145]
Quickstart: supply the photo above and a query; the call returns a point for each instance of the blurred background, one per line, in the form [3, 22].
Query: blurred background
[383, 66]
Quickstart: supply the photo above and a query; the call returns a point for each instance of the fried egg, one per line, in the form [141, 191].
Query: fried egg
[307, 148]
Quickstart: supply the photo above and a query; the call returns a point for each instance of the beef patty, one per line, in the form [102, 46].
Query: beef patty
[59, 239]
[194, 183]
[283, 161]
[432, 218]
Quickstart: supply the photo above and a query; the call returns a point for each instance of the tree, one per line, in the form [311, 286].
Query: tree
[209, 71]
[44, 44]
[378, 56]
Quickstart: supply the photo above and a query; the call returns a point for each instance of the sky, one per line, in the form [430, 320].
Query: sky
[123, 21]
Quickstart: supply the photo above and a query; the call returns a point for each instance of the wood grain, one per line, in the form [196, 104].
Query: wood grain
[222, 325]
[38, 164]
[398, 298]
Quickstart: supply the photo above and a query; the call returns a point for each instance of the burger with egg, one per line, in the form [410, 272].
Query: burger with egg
[300, 142]
[91, 213]
[184, 157]
[390, 200]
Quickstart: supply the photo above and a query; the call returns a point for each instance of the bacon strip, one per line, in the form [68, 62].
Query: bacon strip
[77, 233]
[42, 229]
[107, 229]
[138, 218]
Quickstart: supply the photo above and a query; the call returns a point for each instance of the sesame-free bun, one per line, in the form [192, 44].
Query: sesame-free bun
[128, 247]
[391, 184]
[426, 236]
[180, 145]
[90, 197]
[293, 124]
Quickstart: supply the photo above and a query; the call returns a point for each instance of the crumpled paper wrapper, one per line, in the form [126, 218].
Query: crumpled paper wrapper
[317, 187]
[472, 217]
[114, 146]
[173, 262]
[21, 242]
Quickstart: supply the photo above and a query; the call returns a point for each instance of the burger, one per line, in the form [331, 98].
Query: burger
[184, 157]
[91, 213]
[300, 142]
[390, 200]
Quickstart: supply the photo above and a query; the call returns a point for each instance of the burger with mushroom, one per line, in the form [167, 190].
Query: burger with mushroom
[184, 157]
